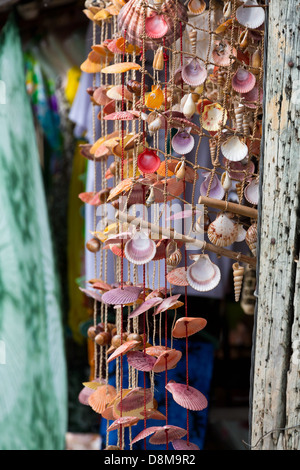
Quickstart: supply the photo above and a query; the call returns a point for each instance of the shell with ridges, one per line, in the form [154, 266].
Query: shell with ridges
[222, 231]
[203, 275]
[238, 275]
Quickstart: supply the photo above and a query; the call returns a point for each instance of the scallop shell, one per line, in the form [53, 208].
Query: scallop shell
[196, 7]
[161, 434]
[183, 142]
[177, 277]
[122, 296]
[156, 26]
[117, 92]
[179, 444]
[174, 188]
[250, 17]
[251, 192]
[241, 233]
[155, 98]
[238, 275]
[84, 395]
[123, 349]
[145, 306]
[148, 161]
[222, 52]
[101, 397]
[216, 189]
[251, 238]
[124, 422]
[130, 19]
[188, 326]
[167, 303]
[253, 98]
[120, 116]
[121, 67]
[140, 361]
[203, 275]
[100, 97]
[193, 73]
[134, 402]
[187, 397]
[234, 149]
[243, 81]
[239, 170]
[168, 359]
[222, 231]
[140, 249]
[214, 117]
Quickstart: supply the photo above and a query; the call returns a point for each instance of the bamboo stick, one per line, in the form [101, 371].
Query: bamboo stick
[228, 206]
[172, 234]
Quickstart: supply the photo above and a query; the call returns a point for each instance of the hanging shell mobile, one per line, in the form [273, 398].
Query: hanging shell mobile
[159, 97]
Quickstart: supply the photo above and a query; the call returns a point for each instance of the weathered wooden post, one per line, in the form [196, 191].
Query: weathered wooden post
[275, 420]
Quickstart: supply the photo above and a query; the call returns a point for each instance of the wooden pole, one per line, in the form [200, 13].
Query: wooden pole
[170, 233]
[275, 410]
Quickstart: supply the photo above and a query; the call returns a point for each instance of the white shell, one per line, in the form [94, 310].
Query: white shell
[140, 249]
[234, 149]
[189, 107]
[251, 192]
[238, 275]
[250, 17]
[222, 231]
[226, 181]
[203, 275]
[241, 233]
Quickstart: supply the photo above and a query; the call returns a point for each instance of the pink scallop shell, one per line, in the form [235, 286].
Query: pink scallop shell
[183, 142]
[179, 444]
[156, 26]
[145, 306]
[188, 326]
[120, 116]
[253, 97]
[148, 161]
[136, 399]
[123, 349]
[125, 422]
[250, 17]
[84, 395]
[161, 434]
[177, 277]
[193, 73]
[236, 169]
[203, 275]
[168, 359]
[119, 296]
[92, 294]
[90, 198]
[222, 231]
[243, 81]
[139, 361]
[167, 303]
[189, 398]
[140, 250]
[251, 192]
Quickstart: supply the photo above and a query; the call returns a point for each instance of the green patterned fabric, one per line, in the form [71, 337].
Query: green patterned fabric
[33, 395]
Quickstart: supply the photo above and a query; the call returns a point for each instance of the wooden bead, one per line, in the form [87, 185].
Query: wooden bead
[93, 245]
[116, 340]
[92, 332]
[103, 338]
[134, 337]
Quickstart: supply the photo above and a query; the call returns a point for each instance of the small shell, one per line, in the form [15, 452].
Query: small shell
[180, 170]
[234, 149]
[168, 359]
[216, 189]
[227, 10]
[119, 296]
[222, 231]
[214, 117]
[196, 7]
[124, 422]
[193, 41]
[121, 67]
[148, 161]
[253, 98]
[256, 59]
[189, 107]
[222, 53]
[161, 434]
[244, 39]
[180, 444]
[241, 233]
[238, 275]
[250, 17]
[167, 304]
[140, 361]
[123, 349]
[116, 93]
[251, 192]
[193, 73]
[145, 306]
[177, 277]
[155, 98]
[183, 142]
[158, 61]
[243, 81]
[101, 397]
[251, 238]
[226, 181]
[239, 113]
[140, 249]
[120, 116]
[156, 26]
[188, 326]
[174, 259]
[203, 275]
[189, 398]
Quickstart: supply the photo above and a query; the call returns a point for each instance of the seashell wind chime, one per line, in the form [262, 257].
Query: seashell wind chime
[160, 110]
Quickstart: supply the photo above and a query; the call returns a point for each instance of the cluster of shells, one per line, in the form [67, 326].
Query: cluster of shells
[218, 98]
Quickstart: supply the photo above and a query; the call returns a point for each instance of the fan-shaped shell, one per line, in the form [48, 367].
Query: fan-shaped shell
[123, 349]
[251, 192]
[140, 361]
[168, 359]
[156, 26]
[203, 275]
[222, 53]
[117, 92]
[243, 81]
[180, 444]
[140, 249]
[253, 98]
[177, 277]
[120, 116]
[194, 73]
[183, 142]
[122, 296]
[101, 397]
[222, 231]
[196, 7]
[250, 17]
[216, 189]
[121, 67]
[214, 117]
[148, 161]
[161, 434]
[145, 306]
[234, 149]
[125, 422]
[167, 303]
[188, 326]
[187, 397]
[134, 402]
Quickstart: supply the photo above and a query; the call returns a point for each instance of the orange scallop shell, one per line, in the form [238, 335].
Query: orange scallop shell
[168, 359]
[101, 397]
[121, 67]
[189, 326]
